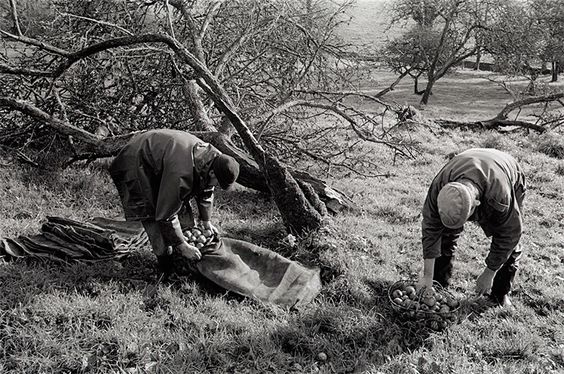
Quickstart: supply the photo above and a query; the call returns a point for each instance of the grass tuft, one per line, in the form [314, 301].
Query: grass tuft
[551, 145]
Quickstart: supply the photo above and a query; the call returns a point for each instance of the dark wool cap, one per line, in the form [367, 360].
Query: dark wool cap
[226, 170]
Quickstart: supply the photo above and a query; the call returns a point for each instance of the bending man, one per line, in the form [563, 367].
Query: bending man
[482, 185]
[156, 175]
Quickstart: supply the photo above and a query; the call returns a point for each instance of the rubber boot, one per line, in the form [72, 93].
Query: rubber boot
[504, 278]
[443, 270]
[165, 267]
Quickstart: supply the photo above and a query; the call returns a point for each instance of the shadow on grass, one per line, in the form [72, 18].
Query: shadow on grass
[343, 332]
[23, 279]
[351, 332]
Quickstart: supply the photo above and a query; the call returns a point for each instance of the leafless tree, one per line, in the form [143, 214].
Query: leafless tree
[443, 35]
[237, 73]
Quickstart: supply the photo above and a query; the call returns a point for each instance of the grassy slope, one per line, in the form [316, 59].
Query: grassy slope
[110, 317]
[103, 318]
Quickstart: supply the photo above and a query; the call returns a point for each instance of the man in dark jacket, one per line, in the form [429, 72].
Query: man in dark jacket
[156, 175]
[482, 185]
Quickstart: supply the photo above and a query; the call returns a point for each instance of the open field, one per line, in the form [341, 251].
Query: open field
[463, 94]
[102, 319]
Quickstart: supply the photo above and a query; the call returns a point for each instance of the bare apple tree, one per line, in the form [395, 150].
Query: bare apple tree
[261, 80]
[444, 33]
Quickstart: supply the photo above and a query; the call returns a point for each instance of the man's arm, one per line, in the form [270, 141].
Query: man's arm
[506, 233]
[431, 226]
[506, 228]
[426, 280]
[204, 201]
[431, 232]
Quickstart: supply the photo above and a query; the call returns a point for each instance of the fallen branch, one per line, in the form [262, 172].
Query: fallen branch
[493, 124]
[93, 147]
[528, 101]
[500, 120]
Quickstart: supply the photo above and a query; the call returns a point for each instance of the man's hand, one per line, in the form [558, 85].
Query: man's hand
[426, 284]
[208, 226]
[485, 281]
[426, 279]
[189, 251]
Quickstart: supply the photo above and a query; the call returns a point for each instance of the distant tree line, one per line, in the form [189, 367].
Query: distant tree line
[521, 38]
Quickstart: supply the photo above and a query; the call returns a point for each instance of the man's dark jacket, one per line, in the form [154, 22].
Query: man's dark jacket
[158, 172]
[501, 184]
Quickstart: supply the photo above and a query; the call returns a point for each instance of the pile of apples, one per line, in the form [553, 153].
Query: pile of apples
[198, 237]
[434, 305]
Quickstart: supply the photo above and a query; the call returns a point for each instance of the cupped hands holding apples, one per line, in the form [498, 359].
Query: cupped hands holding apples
[201, 236]
[207, 225]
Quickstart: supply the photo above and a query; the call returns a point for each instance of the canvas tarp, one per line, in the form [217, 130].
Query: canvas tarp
[250, 270]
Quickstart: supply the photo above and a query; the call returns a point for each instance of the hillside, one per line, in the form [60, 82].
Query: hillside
[112, 317]
[117, 316]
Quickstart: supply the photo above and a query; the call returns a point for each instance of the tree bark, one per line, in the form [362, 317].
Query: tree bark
[196, 107]
[428, 90]
[478, 59]
[554, 71]
[416, 86]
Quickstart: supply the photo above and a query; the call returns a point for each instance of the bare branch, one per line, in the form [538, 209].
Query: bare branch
[490, 124]
[212, 11]
[189, 19]
[37, 43]
[103, 147]
[503, 85]
[332, 108]
[344, 94]
[61, 105]
[15, 17]
[6, 69]
[59, 125]
[229, 52]
[528, 101]
[392, 86]
[105, 23]
[169, 19]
